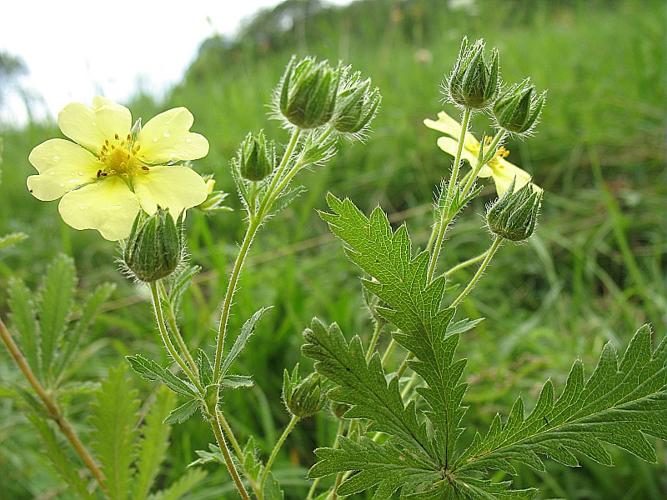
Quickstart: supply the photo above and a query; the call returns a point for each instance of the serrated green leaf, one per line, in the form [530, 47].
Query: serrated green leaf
[237, 381]
[56, 299]
[364, 386]
[205, 368]
[11, 239]
[25, 323]
[414, 306]
[183, 412]
[247, 330]
[620, 404]
[88, 313]
[114, 433]
[184, 485]
[61, 462]
[154, 443]
[153, 372]
[386, 466]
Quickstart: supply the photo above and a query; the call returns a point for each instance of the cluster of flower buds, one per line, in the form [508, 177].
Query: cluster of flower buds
[154, 248]
[303, 398]
[312, 94]
[256, 157]
[514, 216]
[474, 83]
[518, 108]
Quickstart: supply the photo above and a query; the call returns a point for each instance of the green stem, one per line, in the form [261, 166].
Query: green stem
[379, 325]
[173, 325]
[166, 340]
[52, 407]
[480, 271]
[224, 449]
[339, 432]
[251, 231]
[274, 453]
[466, 263]
[445, 216]
[488, 155]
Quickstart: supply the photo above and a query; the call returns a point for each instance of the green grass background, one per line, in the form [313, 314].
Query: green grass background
[595, 270]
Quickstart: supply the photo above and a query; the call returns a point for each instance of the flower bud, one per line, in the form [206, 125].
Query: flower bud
[154, 247]
[308, 91]
[519, 107]
[514, 215]
[303, 398]
[215, 198]
[473, 83]
[339, 409]
[357, 105]
[256, 157]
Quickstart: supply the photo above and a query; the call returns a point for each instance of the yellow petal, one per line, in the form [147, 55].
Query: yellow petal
[167, 137]
[503, 172]
[172, 188]
[107, 205]
[450, 146]
[90, 126]
[449, 126]
[62, 166]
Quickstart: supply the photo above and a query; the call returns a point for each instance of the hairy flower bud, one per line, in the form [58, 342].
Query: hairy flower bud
[518, 108]
[473, 83]
[308, 91]
[357, 104]
[303, 398]
[514, 215]
[256, 157]
[154, 247]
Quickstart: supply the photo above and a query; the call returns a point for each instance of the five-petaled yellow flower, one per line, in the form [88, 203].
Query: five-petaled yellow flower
[111, 172]
[498, 167]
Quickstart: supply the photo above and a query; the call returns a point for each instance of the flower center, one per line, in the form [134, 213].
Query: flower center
[120, 157]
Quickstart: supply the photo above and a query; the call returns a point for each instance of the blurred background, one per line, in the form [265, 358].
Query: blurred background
[594, 272]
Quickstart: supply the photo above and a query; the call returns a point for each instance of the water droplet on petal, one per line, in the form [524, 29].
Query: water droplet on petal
[154, 139]
[188, 140]
[80, 174]
[56, 158]
[166, 133]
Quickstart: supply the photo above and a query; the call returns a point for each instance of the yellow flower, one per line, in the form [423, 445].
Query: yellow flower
[498, 167]
[108, 174]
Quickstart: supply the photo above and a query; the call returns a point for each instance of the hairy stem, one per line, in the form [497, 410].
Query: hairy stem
[480, 271]
[173, 325]
[51, 407]
[166, 339]
[446, 216]
[316, 482]
[274, 453]
[224, 449]
[466, 263]
[251, 231]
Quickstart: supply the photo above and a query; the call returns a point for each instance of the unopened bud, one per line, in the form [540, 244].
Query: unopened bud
[357, 104]
[256, 157]
[303, 398]
[154, 247]
[308, 91]
[518, 108]
[473, 83]
[514, 215]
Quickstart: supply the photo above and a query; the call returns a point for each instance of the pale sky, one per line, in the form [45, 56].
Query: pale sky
[76, 49]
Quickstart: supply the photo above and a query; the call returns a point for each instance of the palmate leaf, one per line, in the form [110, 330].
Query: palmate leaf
[619, 404]
[414, 306]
